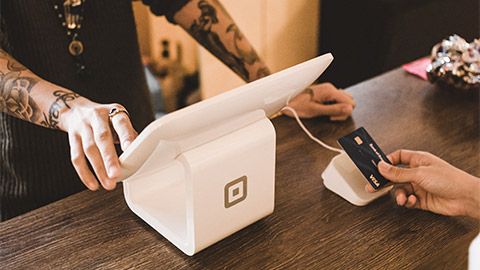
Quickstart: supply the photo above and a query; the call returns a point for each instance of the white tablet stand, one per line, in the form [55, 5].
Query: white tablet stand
[344, 178]
[201, 196]
[204, 172]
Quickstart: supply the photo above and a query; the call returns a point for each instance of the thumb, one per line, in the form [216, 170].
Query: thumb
[397, 174]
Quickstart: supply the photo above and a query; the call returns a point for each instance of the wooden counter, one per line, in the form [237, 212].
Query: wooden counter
[311, 227]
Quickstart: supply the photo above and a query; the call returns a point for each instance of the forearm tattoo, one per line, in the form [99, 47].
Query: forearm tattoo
[250, 57]
[201, 29]
[15, 91]
[54, 112]
[15, 96]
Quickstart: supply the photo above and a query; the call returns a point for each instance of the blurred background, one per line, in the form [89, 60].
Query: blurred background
[366, 37]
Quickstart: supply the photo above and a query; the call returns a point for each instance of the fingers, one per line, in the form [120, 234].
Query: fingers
[401, 157]
[397, 174]
[323, 99]
[411, 158]
[342, 106]
[369, 188]
[401, 198]
[327, 92]
[102, 154]
[411, 201]
[124, 130]
[104, 144]
[349, 98]
[80, 163]
[408, 200]
[347, 94]
[309, 109]
[99, 155]
[337, 111]
[91, 135]
[346, 111]
[402, 193]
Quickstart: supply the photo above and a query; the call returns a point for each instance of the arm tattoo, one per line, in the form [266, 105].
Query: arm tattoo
[15, 95]
[250, 57]
[54, 112]
[201, 29]
[12, 65]
[263, 72]
[15, 91]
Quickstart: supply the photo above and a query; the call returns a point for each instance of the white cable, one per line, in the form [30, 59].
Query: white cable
[309, 134]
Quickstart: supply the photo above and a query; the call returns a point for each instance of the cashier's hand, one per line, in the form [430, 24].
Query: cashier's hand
[430, 183]
[323, 99]
[92, 134]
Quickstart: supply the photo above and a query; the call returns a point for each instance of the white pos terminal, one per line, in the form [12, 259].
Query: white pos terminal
[206, 171]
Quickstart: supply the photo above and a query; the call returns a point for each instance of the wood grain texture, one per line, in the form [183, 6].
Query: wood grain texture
[311, 227]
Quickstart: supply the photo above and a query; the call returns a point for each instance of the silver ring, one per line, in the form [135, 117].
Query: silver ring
[115, 111]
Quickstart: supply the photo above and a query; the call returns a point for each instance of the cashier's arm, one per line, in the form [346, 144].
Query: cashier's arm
[91, 135]
[210, 24]
[28, 97]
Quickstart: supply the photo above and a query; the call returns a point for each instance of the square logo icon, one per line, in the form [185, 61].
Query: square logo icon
[235, 191]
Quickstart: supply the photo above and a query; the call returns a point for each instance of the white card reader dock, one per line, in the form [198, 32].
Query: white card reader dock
[344, 178]
[208, 192]
[206, 171]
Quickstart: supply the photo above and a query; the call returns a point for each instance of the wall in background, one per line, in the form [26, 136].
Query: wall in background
[143, 27]
[152, 30]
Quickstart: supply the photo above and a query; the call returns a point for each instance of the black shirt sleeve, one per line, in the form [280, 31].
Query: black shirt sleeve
[165, 7]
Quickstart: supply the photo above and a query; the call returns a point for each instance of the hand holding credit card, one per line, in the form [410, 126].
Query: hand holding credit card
[366, 155]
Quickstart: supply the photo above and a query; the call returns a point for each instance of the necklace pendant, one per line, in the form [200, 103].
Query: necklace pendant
[71, 24]
[75, 48]
[72, 11]
[75, 3]
[70, 14]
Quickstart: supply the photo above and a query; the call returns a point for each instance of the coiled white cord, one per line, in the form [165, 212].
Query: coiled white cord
[308, 132]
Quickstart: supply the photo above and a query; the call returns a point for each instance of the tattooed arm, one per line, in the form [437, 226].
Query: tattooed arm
[30, 98]
[17, 98]
[210, 24]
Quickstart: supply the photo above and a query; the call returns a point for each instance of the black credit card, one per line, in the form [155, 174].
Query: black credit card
[366, 155]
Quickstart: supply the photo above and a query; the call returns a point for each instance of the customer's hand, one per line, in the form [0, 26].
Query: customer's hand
[430, 183]
[92, 134]
[323, 99]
